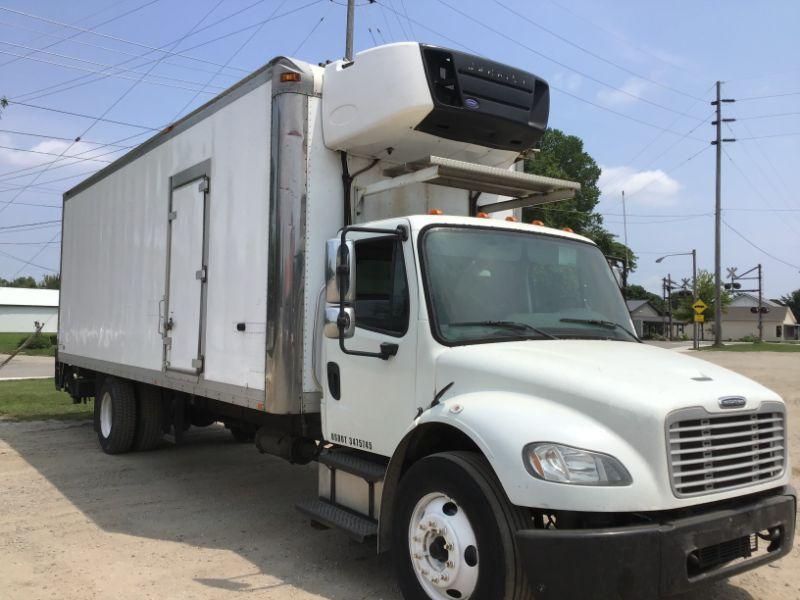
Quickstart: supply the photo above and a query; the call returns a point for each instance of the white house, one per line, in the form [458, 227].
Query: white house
[779, 323]
[20, 308]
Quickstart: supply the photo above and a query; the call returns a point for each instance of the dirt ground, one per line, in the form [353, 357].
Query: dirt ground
[214, 519]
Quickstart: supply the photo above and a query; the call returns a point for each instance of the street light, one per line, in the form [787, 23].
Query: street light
[693, 253]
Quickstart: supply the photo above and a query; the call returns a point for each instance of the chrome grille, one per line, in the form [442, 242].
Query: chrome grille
[715, 452]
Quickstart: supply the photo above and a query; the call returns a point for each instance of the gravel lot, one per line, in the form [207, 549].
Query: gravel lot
[214, 519]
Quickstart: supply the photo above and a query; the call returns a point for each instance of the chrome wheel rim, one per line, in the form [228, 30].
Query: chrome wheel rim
[105, 415]
[443, 548]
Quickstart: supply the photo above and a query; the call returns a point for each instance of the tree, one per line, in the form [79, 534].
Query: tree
[705, 292]
[637, 292]
[51, 282]
[792, 300]
[563, 157]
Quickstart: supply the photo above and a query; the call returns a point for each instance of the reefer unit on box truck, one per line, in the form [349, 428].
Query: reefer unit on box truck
[329, 260]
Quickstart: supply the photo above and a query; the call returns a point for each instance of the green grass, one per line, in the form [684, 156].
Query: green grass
[36, 400]
[755, 347]
[11, 341]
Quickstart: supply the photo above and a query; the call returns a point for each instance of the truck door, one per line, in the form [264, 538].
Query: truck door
[369, 402]
[186, 276]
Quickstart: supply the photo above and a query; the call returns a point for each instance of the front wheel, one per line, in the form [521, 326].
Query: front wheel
[453, 532]
[115, 416]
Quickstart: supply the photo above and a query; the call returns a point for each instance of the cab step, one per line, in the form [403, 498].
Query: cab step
[354, 463]
[324, 513]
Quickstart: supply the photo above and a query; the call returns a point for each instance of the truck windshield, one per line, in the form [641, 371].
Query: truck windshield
[487, 284]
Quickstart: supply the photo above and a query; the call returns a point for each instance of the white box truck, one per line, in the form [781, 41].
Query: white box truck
[318, 258]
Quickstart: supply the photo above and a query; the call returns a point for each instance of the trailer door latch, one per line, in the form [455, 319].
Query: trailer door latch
[201, 274]
[203, 185]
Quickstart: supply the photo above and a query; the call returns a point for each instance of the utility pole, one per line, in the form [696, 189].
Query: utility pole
[625, 228]
[718, 216]
[351, 15]
[695, 339]
[760, 311]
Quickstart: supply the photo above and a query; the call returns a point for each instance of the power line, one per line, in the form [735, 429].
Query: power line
[772, 135]
[79, 81]
[84, 116]
[127, 91]
[49, 137]
[561, 64]
[72, 40]
[585, 50]
[670, 170]
[772, 116]
[105, 66]
[13, 149]
[27, 262]
[25, 225]
[747, 99]
[308, 36]
[112, 37]
[230, 58]
[562, 91]
[106, 22]
[759, 248]
[616, 35]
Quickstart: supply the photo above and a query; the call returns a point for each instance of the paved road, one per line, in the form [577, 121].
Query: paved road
[27, 367]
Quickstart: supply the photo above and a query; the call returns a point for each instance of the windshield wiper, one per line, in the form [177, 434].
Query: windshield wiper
[602, 323]
[512, 325]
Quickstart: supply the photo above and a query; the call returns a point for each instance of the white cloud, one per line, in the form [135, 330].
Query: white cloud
[629, 89]
[650, 186]
[23, 159]
[570, 82]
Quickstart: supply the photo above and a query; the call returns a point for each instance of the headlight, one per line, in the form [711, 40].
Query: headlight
[564, 464]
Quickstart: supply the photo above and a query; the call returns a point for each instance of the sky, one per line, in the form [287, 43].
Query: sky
[633, 79]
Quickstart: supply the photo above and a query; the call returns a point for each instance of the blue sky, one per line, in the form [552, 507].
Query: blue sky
[622, 72]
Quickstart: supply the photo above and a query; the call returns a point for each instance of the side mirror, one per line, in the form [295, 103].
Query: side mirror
[338, 256]
[331, 327]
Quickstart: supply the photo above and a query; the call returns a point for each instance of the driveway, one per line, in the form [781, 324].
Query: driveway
[27, 367]
[215, 520]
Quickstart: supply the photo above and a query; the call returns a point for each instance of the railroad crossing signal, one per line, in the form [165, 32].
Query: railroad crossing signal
[699, 307]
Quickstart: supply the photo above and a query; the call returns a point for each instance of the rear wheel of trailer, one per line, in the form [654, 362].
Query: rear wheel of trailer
[115, 416]
[453, 532]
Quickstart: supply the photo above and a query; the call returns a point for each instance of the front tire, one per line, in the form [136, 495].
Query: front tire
[115, 416]
[453, 532]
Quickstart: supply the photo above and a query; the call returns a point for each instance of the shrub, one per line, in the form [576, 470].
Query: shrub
[38, 341]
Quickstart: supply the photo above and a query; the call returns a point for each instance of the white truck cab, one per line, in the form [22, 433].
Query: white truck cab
[329, 260]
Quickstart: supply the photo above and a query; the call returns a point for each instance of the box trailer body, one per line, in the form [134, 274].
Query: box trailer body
[308, 258]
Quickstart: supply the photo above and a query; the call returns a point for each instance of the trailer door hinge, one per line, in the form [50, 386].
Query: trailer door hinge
[197, 363]
[203, 185]
[202, 274]
[173, 215]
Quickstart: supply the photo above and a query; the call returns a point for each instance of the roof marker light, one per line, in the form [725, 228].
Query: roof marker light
[567, 229]
[435, 211]
[512, 219]
[290, 77]
[482, 215]
[537, 222]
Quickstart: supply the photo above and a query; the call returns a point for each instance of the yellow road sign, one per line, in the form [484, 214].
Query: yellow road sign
[699, 306]
[698, 318]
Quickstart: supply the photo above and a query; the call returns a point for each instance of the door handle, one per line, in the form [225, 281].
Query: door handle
[161, 315]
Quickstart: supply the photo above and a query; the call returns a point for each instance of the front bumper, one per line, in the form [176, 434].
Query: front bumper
[652, 561]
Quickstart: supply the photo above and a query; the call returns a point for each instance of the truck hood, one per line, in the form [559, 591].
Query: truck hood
[597, 375]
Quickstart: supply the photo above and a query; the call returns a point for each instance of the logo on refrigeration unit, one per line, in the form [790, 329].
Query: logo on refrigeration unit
[732, 402]
[471, 103]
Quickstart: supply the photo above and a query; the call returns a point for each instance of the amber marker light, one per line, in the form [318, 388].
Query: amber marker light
[436, 211]
[538, 222]
[482, 215]
[290, 77]
[512, 219]
[567, 229]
